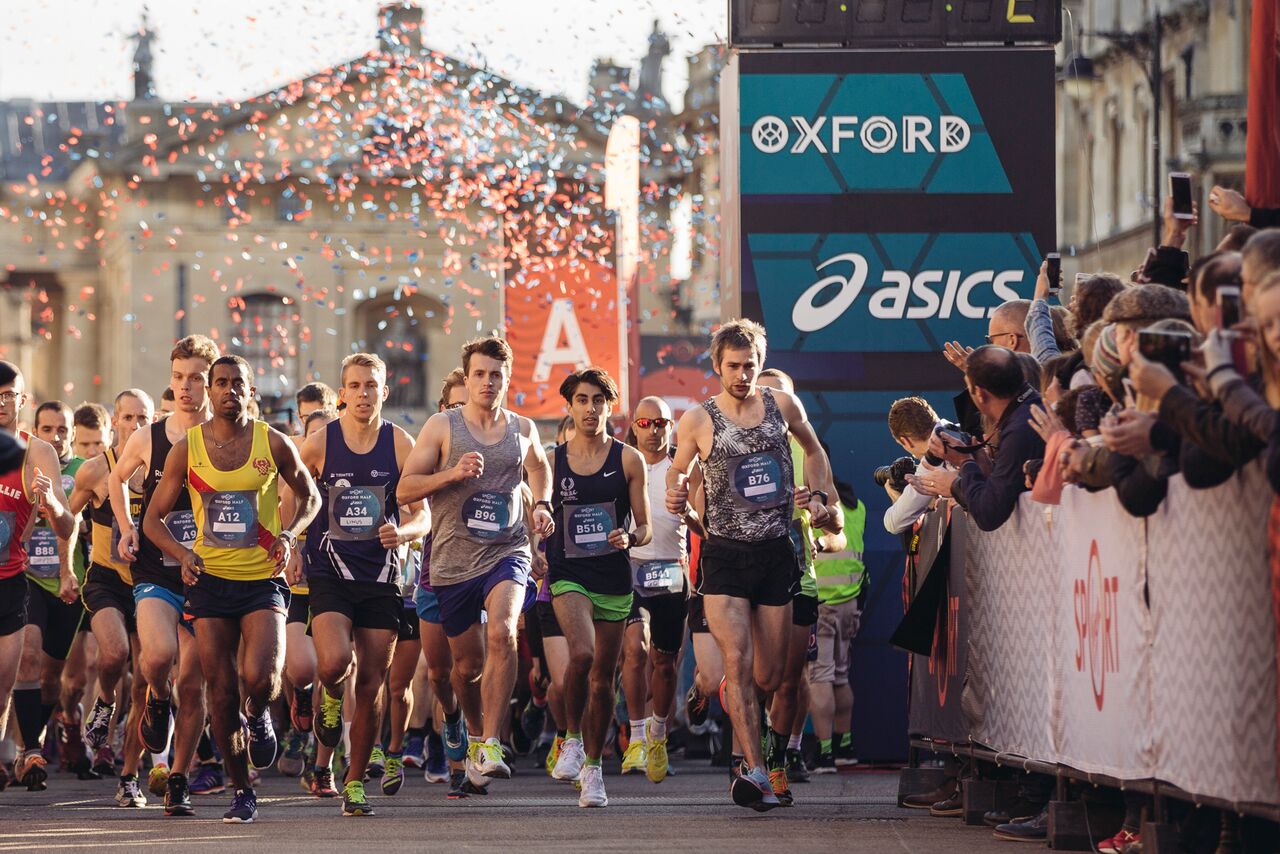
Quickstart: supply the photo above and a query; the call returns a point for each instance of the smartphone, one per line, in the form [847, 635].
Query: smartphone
[1229, 310]
[1180, 190]
[1170, 349]
[1053, 271]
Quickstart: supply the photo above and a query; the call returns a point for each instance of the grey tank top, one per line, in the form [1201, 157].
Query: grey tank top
[478, 523]
[749, 476]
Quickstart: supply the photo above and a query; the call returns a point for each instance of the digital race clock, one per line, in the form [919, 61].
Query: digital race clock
[892, 23]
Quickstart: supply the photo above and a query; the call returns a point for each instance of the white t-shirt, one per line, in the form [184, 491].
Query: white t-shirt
[669, 542]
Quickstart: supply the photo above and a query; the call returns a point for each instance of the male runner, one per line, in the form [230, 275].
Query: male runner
[748, 563]
[469, 461]
[655, 627]
[229, 466]
[314, 397]
[26, 494]
[163, 634]
[108, 592]
[435, 643]
[599, 485]
[354, 548]
[55, 569]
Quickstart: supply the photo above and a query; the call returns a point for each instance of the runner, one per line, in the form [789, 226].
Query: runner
[435, 643]
[314, 397]
[404, 663]
[599, 486]
[748, 563]
[656, 625]
[28, 494]
[300, 650]
[55, 570]
[163, 633]
[108, 594]
[469, 460]
[791, 698]
[354, 550]
[234, 594]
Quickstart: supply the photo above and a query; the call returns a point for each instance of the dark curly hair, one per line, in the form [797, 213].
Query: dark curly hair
[1092, 297]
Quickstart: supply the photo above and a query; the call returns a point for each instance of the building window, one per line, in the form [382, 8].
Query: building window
[264, 332]
[396, 330]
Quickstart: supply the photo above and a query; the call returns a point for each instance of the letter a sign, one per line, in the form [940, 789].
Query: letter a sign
[562, 342]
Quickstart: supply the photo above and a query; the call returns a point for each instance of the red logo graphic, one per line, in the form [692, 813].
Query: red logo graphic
[262, 464]
[1097, 624]
[942, 660]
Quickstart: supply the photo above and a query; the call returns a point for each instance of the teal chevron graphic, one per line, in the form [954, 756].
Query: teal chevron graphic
[852, 293]
[843, 133]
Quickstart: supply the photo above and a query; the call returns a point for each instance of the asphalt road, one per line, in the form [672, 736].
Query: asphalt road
[851, 811]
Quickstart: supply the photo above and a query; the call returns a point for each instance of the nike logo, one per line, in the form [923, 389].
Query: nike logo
[609, 473]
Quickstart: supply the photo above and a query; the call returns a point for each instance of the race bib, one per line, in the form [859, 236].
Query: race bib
[487, 515]
[6, 533]
[182, 527]
[230, 519]
[355, 512]
[42, 553]
[586, 529]
[657, 577]
[756, 481]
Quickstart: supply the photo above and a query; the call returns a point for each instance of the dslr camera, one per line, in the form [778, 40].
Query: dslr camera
[952, 435]
[895, 474]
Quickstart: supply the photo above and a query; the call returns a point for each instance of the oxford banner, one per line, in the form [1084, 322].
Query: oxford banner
[1135, 648]
[877, 204]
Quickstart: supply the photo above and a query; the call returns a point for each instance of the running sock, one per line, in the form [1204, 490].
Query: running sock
[795, 742]
[159, 759]
[775, 754]
[736, 760]
[26, 708]
[571, 734]
[824, 745]
[562, 734]
[657, 728]
[843, 739]
[595, 762]
[418, 732]
[637, 730]
[46, 711]
[452, 717]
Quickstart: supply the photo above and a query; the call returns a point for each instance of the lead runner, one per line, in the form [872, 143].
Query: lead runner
[748, 564]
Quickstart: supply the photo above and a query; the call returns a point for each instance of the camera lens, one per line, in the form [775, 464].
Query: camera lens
[882, 475]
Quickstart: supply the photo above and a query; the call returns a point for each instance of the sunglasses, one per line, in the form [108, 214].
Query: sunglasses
[646, 423]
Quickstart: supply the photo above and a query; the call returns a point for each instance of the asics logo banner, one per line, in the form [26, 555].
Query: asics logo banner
[937, 293]
[908, 134]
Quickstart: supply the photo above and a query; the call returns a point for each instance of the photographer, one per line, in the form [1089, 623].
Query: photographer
[911, 422]
[988, 486]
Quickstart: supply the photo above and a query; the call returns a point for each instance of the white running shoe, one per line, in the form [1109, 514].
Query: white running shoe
[592, 794]
[570, 761]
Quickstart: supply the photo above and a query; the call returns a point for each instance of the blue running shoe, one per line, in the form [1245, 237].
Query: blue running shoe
[262, 740]
[456, 738]
[437, 769]
[244, 808]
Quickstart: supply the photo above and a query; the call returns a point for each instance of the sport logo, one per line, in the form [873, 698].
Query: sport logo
[938, 293]
[909, 134]
[262, 465]
[1097, 625]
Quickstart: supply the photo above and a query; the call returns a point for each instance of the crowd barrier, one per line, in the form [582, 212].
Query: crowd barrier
[1139, 649]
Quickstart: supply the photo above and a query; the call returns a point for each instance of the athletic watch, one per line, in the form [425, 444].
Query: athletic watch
[818, 493]
[292, 537]
[542, 503]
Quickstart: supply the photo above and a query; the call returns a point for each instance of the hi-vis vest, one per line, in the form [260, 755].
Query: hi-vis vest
[841, 574]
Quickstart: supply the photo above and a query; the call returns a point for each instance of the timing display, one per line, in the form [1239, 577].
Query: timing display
[889, 23]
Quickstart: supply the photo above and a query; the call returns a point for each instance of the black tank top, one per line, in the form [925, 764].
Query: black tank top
[586, 508]
[150, 566]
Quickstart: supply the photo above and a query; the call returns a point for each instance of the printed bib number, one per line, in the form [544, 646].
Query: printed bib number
[657, 577]
[6, 533]
[487, 515]
[182, 527]
[757, 481]
[355, 512]
[42, 553]
[586, 529]
[230, 519]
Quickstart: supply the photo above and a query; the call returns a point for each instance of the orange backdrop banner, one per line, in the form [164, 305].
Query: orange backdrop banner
[561, 315]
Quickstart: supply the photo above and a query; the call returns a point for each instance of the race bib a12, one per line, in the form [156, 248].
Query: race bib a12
[230, 519]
